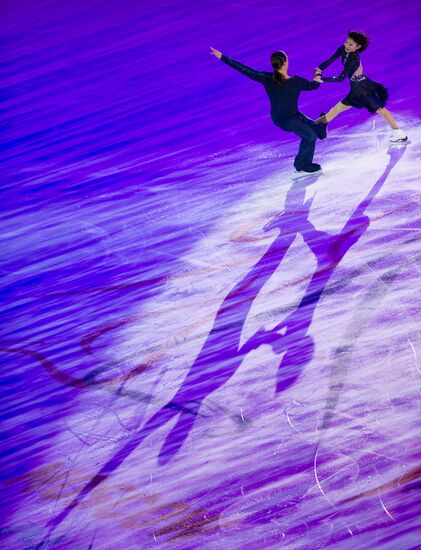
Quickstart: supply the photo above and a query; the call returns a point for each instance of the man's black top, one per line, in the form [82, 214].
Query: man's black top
[350, 61]
[283, 96]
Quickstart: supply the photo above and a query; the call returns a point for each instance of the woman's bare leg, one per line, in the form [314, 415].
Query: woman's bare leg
[387, 115]
[338, 108]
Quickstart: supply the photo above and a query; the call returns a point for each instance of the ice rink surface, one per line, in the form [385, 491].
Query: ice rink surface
[200, 349]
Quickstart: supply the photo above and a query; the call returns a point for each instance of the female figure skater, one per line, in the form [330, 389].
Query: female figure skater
[364, 92]
[283, 91]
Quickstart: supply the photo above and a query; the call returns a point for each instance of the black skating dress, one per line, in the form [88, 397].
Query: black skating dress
[364, 93]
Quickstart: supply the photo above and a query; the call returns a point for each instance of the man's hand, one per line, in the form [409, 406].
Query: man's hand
[317, 74]
[216, 53]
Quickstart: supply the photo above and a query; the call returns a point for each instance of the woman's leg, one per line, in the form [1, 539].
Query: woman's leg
[397, 134]
[338, 108]
[387, 115]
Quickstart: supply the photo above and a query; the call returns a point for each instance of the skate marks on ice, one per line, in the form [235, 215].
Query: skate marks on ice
[222, 354]
[395, 267]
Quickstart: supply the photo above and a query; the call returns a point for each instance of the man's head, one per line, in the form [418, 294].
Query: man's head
[279, 60]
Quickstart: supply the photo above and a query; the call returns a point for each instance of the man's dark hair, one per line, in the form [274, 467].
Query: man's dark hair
[277, 60]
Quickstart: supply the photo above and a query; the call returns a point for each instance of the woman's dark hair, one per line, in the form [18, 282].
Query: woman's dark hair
[277, 59]
[360, 38]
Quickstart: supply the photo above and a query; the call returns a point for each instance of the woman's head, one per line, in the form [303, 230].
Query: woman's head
[279, 62]
[356, 41]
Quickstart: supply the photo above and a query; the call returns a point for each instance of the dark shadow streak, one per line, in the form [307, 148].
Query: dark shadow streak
[220, 355]
[340, 367]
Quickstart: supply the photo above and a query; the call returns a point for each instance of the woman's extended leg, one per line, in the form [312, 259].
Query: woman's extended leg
[334, 111]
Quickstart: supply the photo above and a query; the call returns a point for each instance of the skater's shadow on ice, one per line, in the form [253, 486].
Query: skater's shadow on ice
[221, 354]
[328, 251]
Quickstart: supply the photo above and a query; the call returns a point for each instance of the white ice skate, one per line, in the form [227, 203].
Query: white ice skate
[398, 135]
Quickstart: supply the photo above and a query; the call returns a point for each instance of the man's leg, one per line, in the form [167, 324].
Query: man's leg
[308, 141]
[305, 153]
[320, 129]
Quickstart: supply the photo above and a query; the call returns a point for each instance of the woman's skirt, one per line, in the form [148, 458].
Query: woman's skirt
[366, 94]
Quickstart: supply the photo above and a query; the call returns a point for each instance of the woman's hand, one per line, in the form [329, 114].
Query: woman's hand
[318, 78]
[216, 53]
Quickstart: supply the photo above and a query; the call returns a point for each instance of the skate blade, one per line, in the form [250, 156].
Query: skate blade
[403, 140]
[299, 175]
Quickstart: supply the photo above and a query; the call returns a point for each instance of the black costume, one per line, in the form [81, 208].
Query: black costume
[283, 99]
[365, 93]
